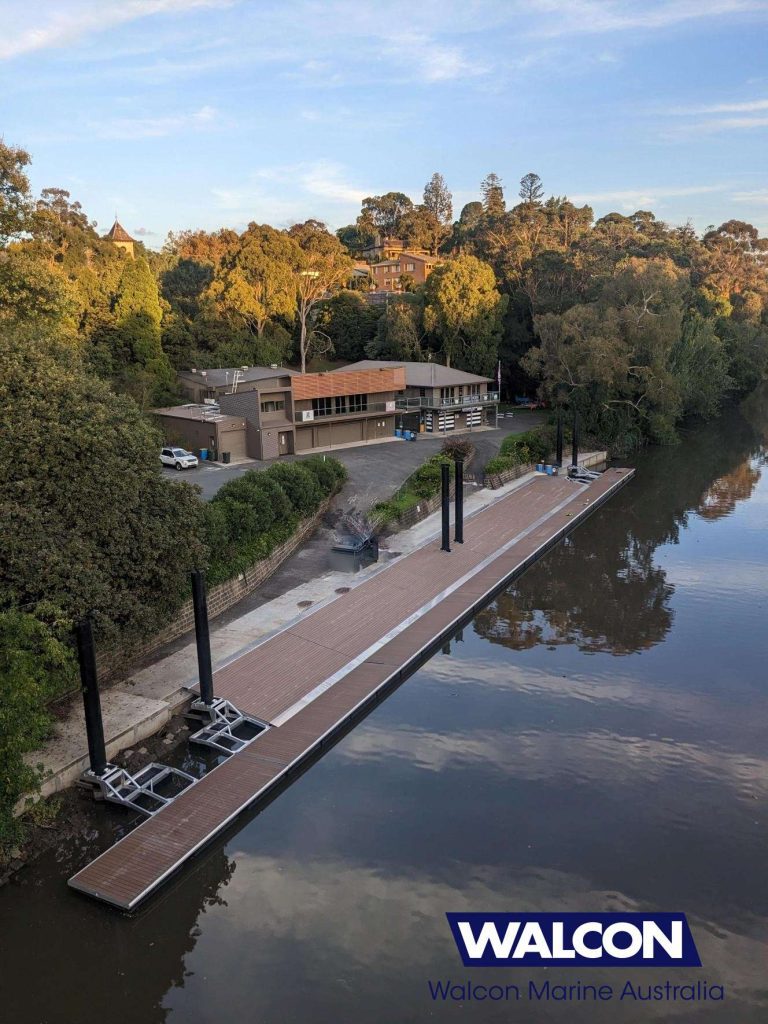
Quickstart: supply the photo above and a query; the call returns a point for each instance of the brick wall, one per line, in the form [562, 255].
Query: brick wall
[119, 662]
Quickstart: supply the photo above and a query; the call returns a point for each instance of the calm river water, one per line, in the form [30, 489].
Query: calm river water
[596, 740]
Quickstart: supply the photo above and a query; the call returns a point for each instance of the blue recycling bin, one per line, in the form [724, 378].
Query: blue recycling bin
[398, 432]
[203, 454]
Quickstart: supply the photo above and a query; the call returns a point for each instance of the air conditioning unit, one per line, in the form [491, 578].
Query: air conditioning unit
[307, 414]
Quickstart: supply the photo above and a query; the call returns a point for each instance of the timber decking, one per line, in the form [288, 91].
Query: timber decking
[315, 674]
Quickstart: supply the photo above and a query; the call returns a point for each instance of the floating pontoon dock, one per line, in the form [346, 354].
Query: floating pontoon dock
[309, 680]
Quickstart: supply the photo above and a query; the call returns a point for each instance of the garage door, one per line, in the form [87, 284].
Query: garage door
[233, 441]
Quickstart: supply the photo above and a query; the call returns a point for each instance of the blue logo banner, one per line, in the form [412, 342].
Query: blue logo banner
[574, 940]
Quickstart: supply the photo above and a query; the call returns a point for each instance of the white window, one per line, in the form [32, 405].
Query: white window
[410, 266]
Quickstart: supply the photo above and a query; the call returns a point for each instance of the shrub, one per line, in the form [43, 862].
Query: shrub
[330, 473]
[457, 448]
[300, 484]
[35, 666]
[253, 514]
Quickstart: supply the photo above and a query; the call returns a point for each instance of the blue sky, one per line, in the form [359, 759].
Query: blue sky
[203, 113]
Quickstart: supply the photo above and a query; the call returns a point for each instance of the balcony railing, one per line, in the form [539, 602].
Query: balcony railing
[487, 397]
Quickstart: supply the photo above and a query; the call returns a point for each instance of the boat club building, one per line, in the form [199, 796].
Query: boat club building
[262, 412]
[263, 415]
[439, 399]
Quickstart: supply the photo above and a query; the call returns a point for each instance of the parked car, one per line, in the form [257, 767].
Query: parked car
[178, 457]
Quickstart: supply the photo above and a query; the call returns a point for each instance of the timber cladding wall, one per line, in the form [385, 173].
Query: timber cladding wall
[355, 382]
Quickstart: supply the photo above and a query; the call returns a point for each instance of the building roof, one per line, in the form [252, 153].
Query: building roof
[199, 413]
[420, 375]
[408, 254]
[223, 376]
[117, 233]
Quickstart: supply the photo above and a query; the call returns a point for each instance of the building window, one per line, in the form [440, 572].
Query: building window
[422, 392]
[322, 406]
[474, 389]
[270, 406]
[410, 266]
[446, 394]
[341, 405]
[358, 403]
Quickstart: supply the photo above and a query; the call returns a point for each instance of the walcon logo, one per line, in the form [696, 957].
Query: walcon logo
[570, 940]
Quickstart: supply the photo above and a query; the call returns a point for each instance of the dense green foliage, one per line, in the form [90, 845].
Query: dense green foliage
[534, 445]
[34, 667]
[89, 524]
[251, 515]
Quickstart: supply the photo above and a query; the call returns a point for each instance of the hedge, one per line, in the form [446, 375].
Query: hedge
[534, 445]
[250, 516]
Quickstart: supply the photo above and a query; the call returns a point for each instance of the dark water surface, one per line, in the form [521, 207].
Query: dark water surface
[597, 740]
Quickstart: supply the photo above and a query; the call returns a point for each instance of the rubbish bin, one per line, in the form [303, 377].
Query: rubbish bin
[225, 457]
[203, 454]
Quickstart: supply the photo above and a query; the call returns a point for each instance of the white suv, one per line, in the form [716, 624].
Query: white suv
[178, 457]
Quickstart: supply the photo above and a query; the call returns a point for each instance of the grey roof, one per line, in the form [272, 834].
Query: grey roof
[221, 377]
[421, 375]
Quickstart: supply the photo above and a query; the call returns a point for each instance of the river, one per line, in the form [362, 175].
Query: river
[596, 739]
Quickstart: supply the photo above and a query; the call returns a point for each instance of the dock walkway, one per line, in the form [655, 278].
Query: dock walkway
[322, 670]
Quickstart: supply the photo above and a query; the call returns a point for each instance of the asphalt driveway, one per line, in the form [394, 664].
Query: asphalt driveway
[375, 470]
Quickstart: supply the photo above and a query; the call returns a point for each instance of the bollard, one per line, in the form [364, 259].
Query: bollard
[94, 727]
[575, 449]
[202, 637]
[559, 443]
[458, 526]
[445, 472]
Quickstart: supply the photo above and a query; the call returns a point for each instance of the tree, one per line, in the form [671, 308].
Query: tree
[438, 207]
[15, 201]
[530, 189]
[349, 322]
[33, 294]
[383, 214]
[257, 283]
[90, 526]
[463, 313]
[493, 195]
[141, 365]
[400, 332]
[322, 266]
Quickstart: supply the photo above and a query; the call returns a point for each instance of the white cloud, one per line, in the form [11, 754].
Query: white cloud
[71, 21]
[429, 60]
[290, 193]
[724, 108]
[572, 17]
[638, 198]
[131, 128]
[759, 195]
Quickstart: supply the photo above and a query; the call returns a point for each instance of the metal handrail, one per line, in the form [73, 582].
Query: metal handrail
[448, 403]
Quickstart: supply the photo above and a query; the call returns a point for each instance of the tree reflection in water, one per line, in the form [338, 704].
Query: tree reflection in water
[626, 605]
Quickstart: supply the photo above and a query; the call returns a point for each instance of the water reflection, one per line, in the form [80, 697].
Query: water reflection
[603, 589]
[65, 959]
